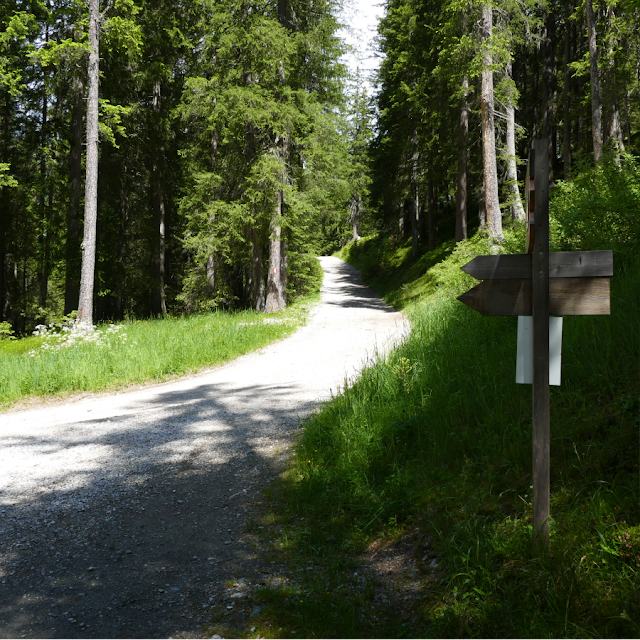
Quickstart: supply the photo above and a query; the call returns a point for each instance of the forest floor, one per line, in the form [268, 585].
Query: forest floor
[140, 514]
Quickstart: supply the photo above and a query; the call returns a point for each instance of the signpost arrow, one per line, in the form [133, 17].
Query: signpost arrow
[567, 296]
[562, 264]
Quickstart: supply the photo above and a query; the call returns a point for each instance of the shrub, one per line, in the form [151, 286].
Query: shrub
[6, 333]
[598, 209]
[305, 275]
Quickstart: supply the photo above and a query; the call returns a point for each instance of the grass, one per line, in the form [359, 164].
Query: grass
[434, 443]
[154, 350]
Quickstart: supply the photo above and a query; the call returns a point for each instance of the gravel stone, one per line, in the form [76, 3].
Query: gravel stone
[92, 532]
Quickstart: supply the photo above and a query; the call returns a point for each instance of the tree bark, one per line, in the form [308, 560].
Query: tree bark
[5, 217]
[463, 155]
[415, 207]
[615, 133]
[492, 204]
[410, 206]
[517, 210]
[158, 297]
[356, 212]
[85, 306]
[122, 243]
[45, 232]
[277, 276]
[566, 137]
[276, 289]
[549, 87]
[72, 244]
[431, 215]
[258, 292]
[596, 109]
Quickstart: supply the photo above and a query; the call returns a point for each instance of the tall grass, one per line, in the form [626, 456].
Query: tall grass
[439, 435]
[436, 438]
[153, 350]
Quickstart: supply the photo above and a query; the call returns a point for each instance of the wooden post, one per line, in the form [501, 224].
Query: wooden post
[540, 304]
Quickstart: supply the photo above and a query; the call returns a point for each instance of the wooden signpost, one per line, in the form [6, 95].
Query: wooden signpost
[540, 284]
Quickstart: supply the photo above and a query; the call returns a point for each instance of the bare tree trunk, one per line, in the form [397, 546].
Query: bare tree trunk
[410, 206]
[494, 218]
[517, 210]
[356, 212]
[277, 277]
[549, 88]
[85, 306]
[431, 215]
[3, 253]
[596, 109]
[5, 218]
[122, 239]
[615, 125]
[415, 206]
[567, 92]
[405, 217]
[72, 244]
[257, 290]
[276, 290]
[211, 259]
[615, 131]
[463, 154]
[158, 297]
[45, 232]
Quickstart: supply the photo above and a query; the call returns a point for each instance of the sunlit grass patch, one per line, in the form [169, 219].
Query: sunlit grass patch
[136, 351]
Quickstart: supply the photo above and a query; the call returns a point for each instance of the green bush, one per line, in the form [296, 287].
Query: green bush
[598, 209]
[6, 333]
[306, 275]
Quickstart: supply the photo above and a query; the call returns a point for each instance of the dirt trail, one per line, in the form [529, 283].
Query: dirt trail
[124, 515]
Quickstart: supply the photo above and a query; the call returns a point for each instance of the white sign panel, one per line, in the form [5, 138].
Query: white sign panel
[524, 357]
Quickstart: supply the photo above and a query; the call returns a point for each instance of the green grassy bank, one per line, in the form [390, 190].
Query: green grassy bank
[433, 444]
[138, 351]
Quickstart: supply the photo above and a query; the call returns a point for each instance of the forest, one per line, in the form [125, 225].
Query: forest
[169, 157]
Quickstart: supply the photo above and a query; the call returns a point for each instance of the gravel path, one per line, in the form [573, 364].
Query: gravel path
[125, 515]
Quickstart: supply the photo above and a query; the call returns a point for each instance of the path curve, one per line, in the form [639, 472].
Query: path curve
[123, 515]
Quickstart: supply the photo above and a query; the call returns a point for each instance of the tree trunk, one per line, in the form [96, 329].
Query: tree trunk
[463, 154]
[356, 212]
[410, 206]
[258, 292]
[158, 298]
[5, 218]
[517, 210]
[415, 179]
[494, 218]
[45, 232]
[72, 244]
[549, 87]
[122, 240]
[566, 138]
[596, 110]
[85, 306]
[276, 289]
[3, 253]
[277, 277]
[615, 125]
[431, 215]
